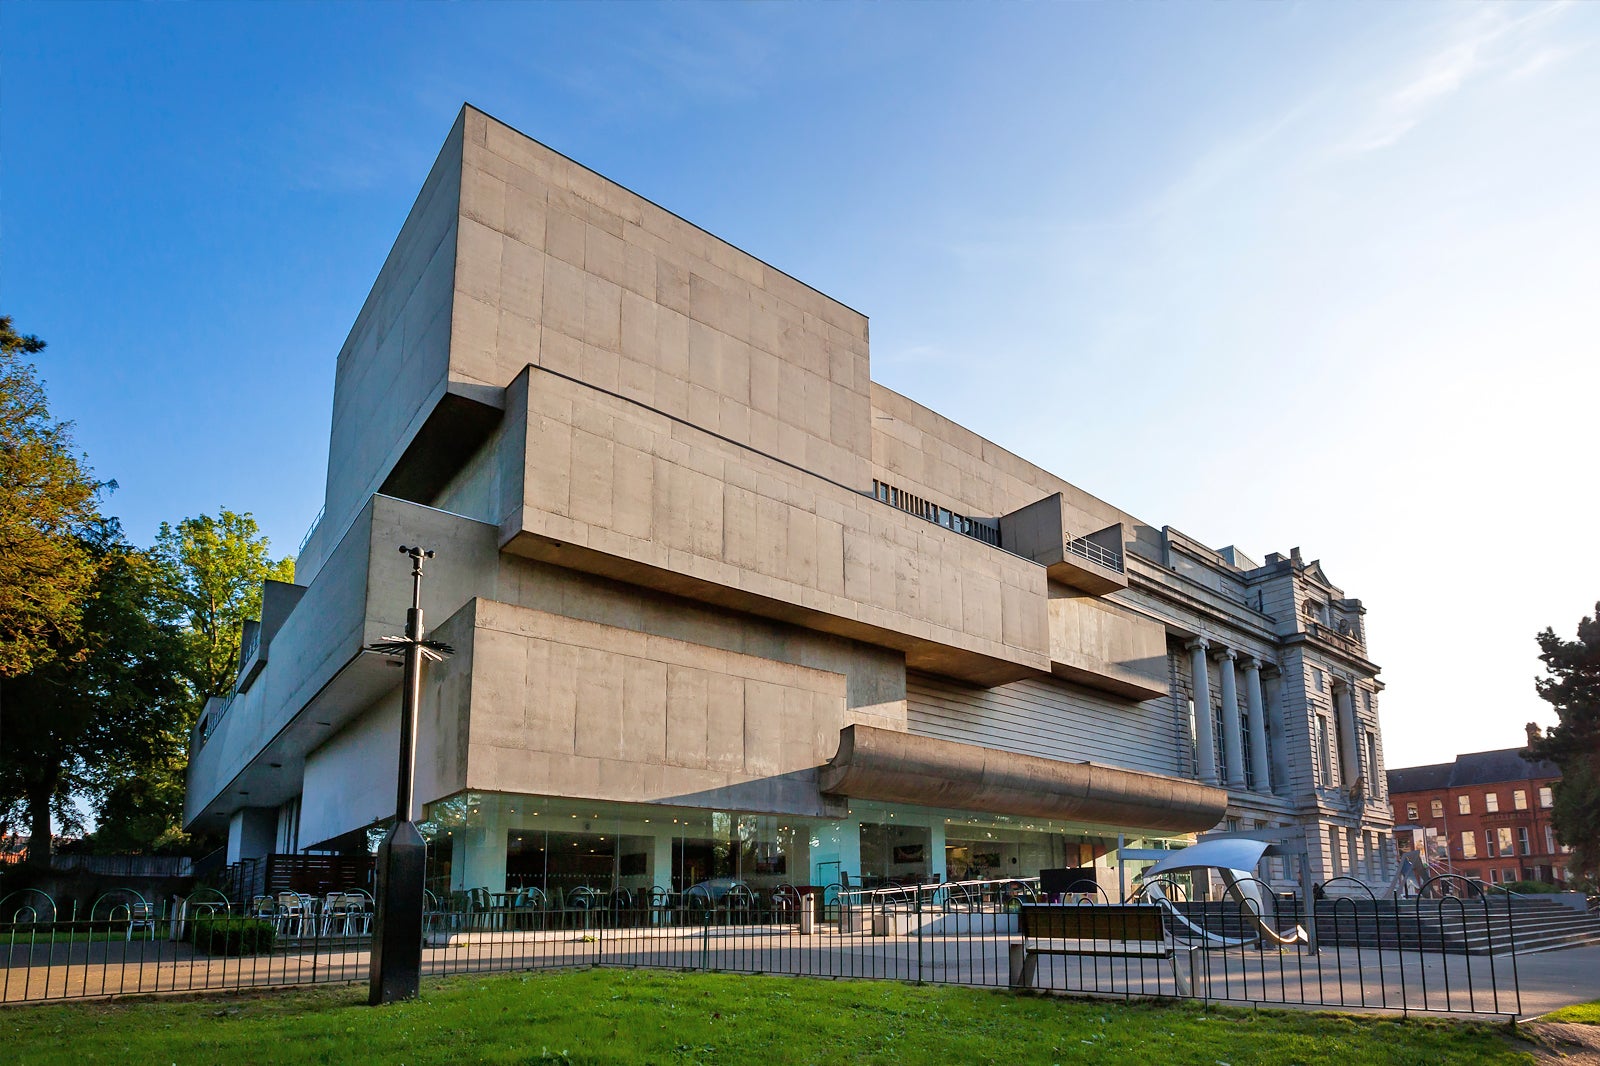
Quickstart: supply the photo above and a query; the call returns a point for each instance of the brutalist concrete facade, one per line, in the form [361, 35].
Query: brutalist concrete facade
[685, 543]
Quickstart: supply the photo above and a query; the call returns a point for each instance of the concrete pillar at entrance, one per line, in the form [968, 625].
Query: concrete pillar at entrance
[1350, 765]
[1260, 757]
[1232, 736]
[1204, 738]
[252, 832]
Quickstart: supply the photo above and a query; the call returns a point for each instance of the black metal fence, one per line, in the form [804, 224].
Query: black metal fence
[1365, 953]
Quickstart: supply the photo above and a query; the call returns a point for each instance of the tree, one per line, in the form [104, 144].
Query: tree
[1573, 744]
[47, 500]
[101, 708]
[213, 571]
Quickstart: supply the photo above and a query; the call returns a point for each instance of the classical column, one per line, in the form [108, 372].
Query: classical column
[1256, 704]
[1204, 740]
[1232, 735]
[1350, 765]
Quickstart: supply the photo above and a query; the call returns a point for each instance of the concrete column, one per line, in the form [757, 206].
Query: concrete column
[1256, 704]
[1345, 703]
[1232, 745]
[1204, 740]
[252, 832]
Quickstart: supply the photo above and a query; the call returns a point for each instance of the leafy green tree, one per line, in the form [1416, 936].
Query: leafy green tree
[1573, 744]
[47, 500]
[214, 568]
[142, 812]
[103, 707]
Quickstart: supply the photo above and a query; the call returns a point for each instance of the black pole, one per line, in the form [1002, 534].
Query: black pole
[402, 857]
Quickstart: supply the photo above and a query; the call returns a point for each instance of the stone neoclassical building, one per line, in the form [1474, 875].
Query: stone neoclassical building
[723, 606]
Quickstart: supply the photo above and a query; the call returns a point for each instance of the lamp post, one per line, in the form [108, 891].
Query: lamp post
[402, 857]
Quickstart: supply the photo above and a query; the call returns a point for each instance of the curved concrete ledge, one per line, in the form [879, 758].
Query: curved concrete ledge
[882, 764]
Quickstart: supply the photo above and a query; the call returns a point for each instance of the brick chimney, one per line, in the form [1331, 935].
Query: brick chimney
[1534, 733]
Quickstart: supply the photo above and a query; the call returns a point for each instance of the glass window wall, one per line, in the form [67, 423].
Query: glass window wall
[505, 843]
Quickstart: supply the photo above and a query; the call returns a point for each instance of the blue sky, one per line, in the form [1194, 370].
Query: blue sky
[1276, 275]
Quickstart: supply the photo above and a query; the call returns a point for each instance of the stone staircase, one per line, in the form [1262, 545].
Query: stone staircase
[1451, 926]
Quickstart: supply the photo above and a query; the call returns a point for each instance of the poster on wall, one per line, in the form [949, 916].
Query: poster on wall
[908, 853]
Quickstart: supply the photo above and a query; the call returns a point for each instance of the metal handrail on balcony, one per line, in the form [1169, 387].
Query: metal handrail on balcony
[208, 722]
[315, 522]
[1096, 553]
[252, 646]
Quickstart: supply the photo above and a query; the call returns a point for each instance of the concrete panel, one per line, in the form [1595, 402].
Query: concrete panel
[1106, 646]
[733, 527]
[605, 272]
[360, 596]
[350, 779]
[658, 720]
[395, 363]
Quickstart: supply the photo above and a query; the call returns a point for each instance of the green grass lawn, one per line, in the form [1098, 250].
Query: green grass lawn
[625, 1016]
[1581, 1013]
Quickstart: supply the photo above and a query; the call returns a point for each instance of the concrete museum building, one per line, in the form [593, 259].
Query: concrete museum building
[724, 607]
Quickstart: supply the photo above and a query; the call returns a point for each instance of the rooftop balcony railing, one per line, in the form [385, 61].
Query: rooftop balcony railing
[928, 511]
[210, 717]
[1096, 553]
[311, 531]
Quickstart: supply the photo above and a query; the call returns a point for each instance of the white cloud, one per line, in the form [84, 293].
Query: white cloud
[1488, 41]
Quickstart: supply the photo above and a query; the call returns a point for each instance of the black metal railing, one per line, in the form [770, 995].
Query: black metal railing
[1351, 953]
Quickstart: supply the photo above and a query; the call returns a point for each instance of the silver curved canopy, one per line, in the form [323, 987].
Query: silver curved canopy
[882, 764]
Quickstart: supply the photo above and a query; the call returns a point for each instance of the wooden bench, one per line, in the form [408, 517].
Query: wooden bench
[1103, 930]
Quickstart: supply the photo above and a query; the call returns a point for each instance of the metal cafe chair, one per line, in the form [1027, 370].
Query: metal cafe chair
[528, 907]
[785, 899]
[583, 900]
[343, 914]
[739, 901]
[141, 916]
[296, 914]
[663, 903]
[621, 903]
[363, 905]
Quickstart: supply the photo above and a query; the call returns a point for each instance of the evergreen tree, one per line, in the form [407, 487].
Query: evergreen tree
[1573, 744]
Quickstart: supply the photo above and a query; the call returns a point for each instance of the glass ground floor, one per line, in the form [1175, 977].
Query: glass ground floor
[503, 843]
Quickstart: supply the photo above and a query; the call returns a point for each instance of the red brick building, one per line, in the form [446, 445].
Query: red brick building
[1486, 815]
